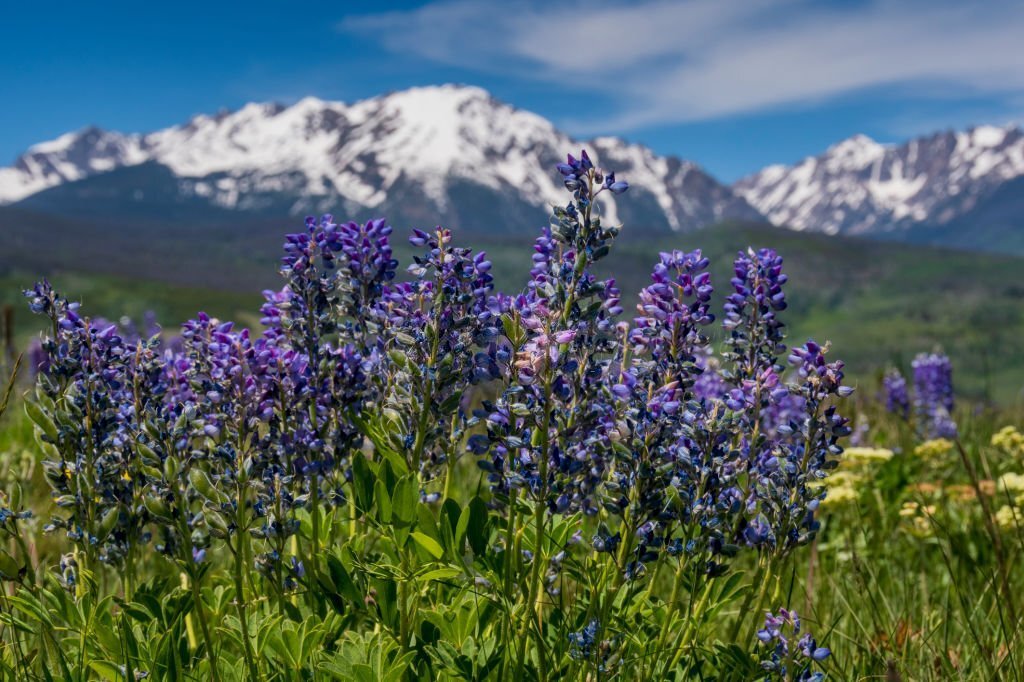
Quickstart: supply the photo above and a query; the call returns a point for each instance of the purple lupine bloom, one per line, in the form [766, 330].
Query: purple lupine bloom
[783, 409]
[756, 337]
[786, 645]
[548, 432]
[583, 644]
[673, 309]
[897, 400]
[367, 267]
[933, 395]
[100, 385]
[709, 384]
[804, 450]
[440, 333]
[651, 381]
[756, 334]
[324, 380]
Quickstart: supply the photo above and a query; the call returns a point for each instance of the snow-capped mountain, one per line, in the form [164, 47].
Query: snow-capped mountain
[451, 154]
[859, 186]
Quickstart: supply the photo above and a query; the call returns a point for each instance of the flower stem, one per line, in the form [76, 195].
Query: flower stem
[204, 627]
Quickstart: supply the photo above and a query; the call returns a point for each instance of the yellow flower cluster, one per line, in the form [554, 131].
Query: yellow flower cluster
[842, 489]
[1011, 483]
[933, 448]
[918, 518]
[860, 456]
[1010, 440]
[839, 496]
[845, 484]
[1009, 518]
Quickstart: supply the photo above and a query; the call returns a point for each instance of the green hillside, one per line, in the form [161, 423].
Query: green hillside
[877, 302]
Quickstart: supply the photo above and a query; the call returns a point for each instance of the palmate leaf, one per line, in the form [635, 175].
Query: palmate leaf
[369, 658]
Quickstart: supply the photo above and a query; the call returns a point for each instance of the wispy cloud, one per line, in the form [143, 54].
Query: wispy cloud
[670, 62]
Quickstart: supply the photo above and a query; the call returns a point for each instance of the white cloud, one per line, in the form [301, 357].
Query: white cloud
[670, 62]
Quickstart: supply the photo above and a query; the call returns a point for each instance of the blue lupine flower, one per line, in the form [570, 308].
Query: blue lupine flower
[582, 644]
[933, 395]
[897, 401]
[432, 329]
[787, 646]
[547, 432]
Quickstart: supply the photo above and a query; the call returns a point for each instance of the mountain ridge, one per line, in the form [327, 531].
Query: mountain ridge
[862, 187]
[454, 154]
[416, 151]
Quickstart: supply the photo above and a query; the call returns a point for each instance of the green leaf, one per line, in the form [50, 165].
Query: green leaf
[362, 483]
[107, 670]
[448, 537]
[9, 568]
[404, 501]
[343, 580]
[476, 530]
[450, 513]
[439, 574]
[463, 525]
[513, 330]
[383, 502]
[432, 546]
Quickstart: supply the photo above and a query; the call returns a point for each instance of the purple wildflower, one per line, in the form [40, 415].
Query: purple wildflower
[897, 401]
[933, 395]
[792, 655]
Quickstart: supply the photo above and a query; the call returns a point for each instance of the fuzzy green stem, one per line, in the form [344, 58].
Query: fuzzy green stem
[204, 627]
[240, 601]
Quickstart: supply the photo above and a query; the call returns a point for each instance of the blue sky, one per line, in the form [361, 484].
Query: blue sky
[732, 84]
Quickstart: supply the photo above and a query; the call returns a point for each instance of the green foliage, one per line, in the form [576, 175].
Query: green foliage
[400, 600]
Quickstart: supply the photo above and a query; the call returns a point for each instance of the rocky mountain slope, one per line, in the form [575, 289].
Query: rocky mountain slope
[859, 186]
[448, 153]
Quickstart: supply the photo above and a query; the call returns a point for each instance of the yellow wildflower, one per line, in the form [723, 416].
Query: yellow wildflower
[1008, 518]
[909, 509]
[933, 448]
[1012, 482]
[918, 518]
[840, 495]
[859, 455]
[843, 479]
[1009, 439]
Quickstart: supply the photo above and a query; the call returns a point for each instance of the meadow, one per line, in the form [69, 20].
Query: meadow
[403, 474]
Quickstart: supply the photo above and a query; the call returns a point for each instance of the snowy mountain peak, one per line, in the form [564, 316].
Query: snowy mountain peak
[451, 151]
[858, 151]
[70, 157]
[862, 187]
